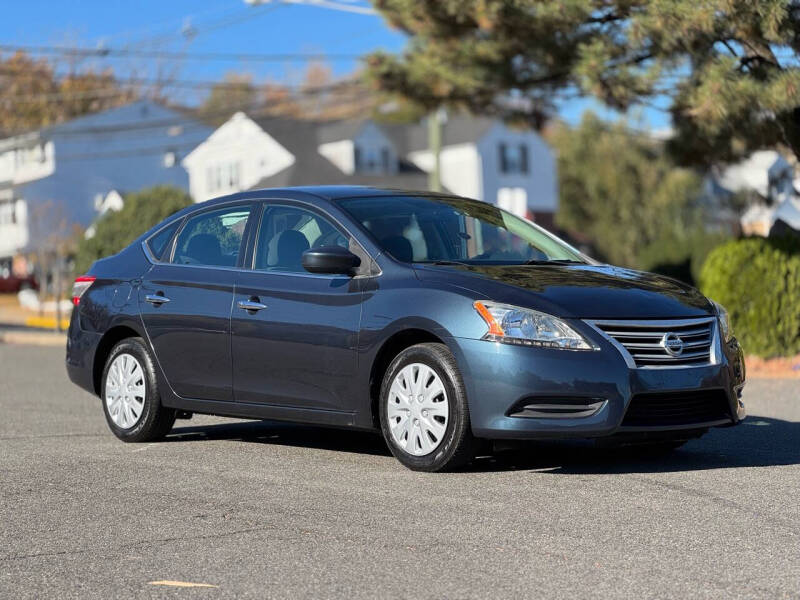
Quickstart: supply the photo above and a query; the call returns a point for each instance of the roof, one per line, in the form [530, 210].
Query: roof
[303, 138]
[457, 129]
[327, 192]
[336, 131]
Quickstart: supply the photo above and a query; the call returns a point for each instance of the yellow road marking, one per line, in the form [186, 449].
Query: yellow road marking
[182, 584]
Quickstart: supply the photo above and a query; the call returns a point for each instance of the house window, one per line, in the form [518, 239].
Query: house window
[8, 214]
[225, 176]
[30, 154]
[513, 158]
[233, 175]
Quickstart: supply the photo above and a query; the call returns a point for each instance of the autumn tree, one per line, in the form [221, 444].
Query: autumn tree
[729, 68]
[32, 95]
[319, 96]
[235, 92]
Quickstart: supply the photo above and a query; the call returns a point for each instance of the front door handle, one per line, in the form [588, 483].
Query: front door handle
[251, 305]
[156, 299]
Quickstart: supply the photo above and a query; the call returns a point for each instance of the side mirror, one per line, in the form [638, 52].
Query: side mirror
[330, 260]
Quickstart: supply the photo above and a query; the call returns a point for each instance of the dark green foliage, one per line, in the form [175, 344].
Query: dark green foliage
[758, 281]
[622, 192]
[729, 68]
[115, 230]
[681, 260]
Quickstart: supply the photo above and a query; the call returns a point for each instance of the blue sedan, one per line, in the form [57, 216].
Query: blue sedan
[438, 320]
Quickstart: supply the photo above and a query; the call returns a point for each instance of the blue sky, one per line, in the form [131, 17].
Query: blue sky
[228, 26]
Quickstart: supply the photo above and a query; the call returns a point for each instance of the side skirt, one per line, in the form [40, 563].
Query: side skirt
[308, 416]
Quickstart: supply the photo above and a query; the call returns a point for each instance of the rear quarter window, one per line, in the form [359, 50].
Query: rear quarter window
[158, 243]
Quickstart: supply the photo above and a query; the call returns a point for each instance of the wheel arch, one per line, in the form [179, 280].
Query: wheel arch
[110, 339]
[389, 349]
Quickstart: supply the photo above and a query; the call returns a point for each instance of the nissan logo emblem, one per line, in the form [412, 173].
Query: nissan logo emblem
[672, 344]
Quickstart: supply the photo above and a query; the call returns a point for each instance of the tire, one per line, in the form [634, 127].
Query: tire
[439, 421]
[144, 421]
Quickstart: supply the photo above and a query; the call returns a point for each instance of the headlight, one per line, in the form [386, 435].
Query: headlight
[724, 321]
[526, 327]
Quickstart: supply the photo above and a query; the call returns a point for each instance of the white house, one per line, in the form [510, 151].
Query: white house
[480, 158]
[69, 170]
[768, 180]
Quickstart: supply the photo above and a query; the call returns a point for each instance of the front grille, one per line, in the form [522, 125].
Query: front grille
[677, 408]
[648, 342]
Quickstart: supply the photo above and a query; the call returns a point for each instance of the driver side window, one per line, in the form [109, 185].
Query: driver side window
[212, 238]
[286, 232]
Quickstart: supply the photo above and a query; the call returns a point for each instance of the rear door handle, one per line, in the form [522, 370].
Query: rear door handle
[251, 305]
[156, 299]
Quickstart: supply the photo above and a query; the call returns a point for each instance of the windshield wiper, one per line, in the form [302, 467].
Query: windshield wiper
[563, 261]
[445, 263]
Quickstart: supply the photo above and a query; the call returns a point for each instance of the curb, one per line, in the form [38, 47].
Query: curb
[45, 323]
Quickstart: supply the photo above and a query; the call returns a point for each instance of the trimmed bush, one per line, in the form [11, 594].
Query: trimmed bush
[115, 230]
[758, 281]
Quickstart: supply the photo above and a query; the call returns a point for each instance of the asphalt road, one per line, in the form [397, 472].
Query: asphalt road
[273, 511]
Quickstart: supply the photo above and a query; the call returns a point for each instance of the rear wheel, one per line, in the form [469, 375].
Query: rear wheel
[130, 395]
[423, 410]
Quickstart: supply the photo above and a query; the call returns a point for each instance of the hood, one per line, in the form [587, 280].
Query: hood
[578, 291]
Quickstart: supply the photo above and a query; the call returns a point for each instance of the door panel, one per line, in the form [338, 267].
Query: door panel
[301, 349]
[191, 331]
[295, 343]
[186, 303]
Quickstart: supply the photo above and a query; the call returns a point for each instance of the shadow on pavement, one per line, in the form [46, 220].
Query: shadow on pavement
[285, 434]
[758, 442]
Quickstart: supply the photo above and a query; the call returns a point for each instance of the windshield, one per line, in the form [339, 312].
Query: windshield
[455, 230]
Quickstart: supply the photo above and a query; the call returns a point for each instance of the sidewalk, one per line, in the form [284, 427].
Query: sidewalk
[29, 337]
[20, 326]
[11, 313]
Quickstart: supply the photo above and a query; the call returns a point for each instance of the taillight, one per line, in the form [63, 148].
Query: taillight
[82, 283]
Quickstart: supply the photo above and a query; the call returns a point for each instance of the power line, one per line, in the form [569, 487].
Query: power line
[101, 52]
[191, 121]
[166, 146]
[342, 6]
[184, 83]
[146, 151]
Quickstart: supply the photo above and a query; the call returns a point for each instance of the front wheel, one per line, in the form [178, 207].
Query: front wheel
[423, 410]
[131, 400]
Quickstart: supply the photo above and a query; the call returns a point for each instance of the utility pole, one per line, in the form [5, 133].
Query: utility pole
[435, 121]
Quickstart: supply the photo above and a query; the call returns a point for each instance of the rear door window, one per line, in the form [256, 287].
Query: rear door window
[212, 238]
[158, 242]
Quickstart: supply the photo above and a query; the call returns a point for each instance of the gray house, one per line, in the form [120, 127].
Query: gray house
[480, 158]
[65, 173]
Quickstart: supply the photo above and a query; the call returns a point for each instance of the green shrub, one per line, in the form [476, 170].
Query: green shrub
[758, 281]
[682, 256]
[115, 230]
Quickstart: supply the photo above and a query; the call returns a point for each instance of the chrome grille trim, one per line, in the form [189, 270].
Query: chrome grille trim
[639, 341]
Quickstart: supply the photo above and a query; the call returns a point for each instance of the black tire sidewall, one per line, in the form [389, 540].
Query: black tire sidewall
[453, 449]
[153, 411]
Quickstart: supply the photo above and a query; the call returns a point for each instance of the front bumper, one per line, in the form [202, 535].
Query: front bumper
[501, 378]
